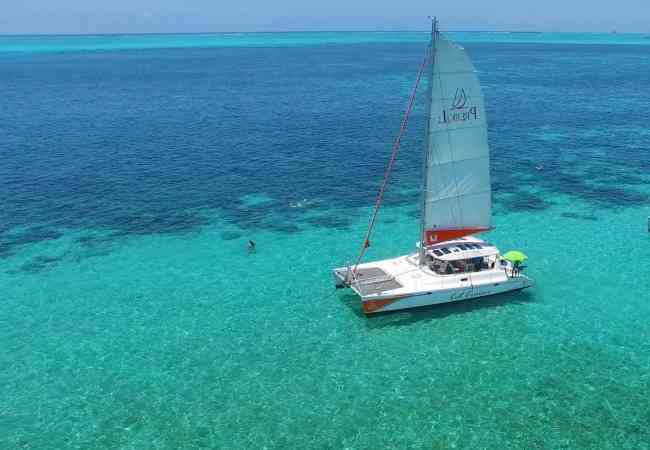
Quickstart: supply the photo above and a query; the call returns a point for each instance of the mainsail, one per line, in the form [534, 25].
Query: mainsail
[457, 192]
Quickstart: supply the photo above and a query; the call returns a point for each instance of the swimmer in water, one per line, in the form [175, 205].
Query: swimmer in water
[251, 246]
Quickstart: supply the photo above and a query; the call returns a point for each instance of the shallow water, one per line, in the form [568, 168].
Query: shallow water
[133, 317]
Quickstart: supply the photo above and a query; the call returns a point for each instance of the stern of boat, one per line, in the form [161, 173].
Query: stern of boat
[525, 281]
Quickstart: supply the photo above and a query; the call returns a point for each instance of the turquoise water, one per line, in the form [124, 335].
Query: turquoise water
[67, 43]
[133, 317]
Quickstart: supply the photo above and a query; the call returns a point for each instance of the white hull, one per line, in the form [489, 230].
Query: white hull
[452, 295]
[400, 283]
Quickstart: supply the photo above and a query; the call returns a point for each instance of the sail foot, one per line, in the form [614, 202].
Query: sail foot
[437, 236]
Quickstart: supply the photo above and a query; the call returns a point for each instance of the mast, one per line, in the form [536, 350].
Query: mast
[427, 137]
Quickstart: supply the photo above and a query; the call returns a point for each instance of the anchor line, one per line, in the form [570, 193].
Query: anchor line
[391, 162]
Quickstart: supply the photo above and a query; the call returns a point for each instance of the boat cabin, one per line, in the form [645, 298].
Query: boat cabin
[460, 256]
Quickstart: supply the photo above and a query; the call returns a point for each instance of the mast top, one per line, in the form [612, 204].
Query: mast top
[434, 27]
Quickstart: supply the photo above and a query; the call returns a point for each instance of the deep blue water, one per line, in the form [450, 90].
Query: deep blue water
[132, 317]
[141, 141]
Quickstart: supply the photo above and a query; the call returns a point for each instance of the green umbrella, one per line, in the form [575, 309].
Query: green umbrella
[515, 256]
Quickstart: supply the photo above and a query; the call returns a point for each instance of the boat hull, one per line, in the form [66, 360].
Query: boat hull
[372, 306]
[402, 283]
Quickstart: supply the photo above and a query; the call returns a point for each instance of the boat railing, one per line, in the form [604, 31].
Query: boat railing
[514, 272]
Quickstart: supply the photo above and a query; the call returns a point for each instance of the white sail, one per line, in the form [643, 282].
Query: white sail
[457, 197]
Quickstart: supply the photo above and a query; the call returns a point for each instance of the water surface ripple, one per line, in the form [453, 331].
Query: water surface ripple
[132, 178]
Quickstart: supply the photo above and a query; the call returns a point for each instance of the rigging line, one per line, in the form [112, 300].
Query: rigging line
[391, 162]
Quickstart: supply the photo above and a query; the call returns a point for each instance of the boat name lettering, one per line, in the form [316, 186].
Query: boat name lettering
[470, 293]
[461, 295]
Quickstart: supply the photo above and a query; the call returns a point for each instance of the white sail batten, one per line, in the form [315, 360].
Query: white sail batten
[457, 197]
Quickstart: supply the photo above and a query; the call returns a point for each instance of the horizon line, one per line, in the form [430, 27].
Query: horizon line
[308, 31]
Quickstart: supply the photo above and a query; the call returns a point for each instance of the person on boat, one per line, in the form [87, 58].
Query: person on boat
[503, 264]
[458, 266]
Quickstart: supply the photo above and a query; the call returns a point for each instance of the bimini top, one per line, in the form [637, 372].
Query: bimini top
[462, 248]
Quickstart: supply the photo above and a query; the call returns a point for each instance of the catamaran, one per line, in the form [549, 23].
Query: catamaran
[449, 263]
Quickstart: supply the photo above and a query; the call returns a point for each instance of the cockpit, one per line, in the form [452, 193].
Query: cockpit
[461, 257]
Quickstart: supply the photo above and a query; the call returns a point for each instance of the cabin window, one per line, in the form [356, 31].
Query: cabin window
[445, 250]
[459, 266]
[437, 252]
[462, 247]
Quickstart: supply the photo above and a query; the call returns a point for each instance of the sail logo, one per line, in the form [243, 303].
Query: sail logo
[460, 99]
[459, 110]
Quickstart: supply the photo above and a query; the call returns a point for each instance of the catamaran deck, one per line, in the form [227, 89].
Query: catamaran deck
[371, 280]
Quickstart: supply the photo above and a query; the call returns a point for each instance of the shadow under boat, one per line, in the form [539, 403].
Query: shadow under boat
[412, 316]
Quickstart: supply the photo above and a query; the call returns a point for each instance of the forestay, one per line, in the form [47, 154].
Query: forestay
[457, 197]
